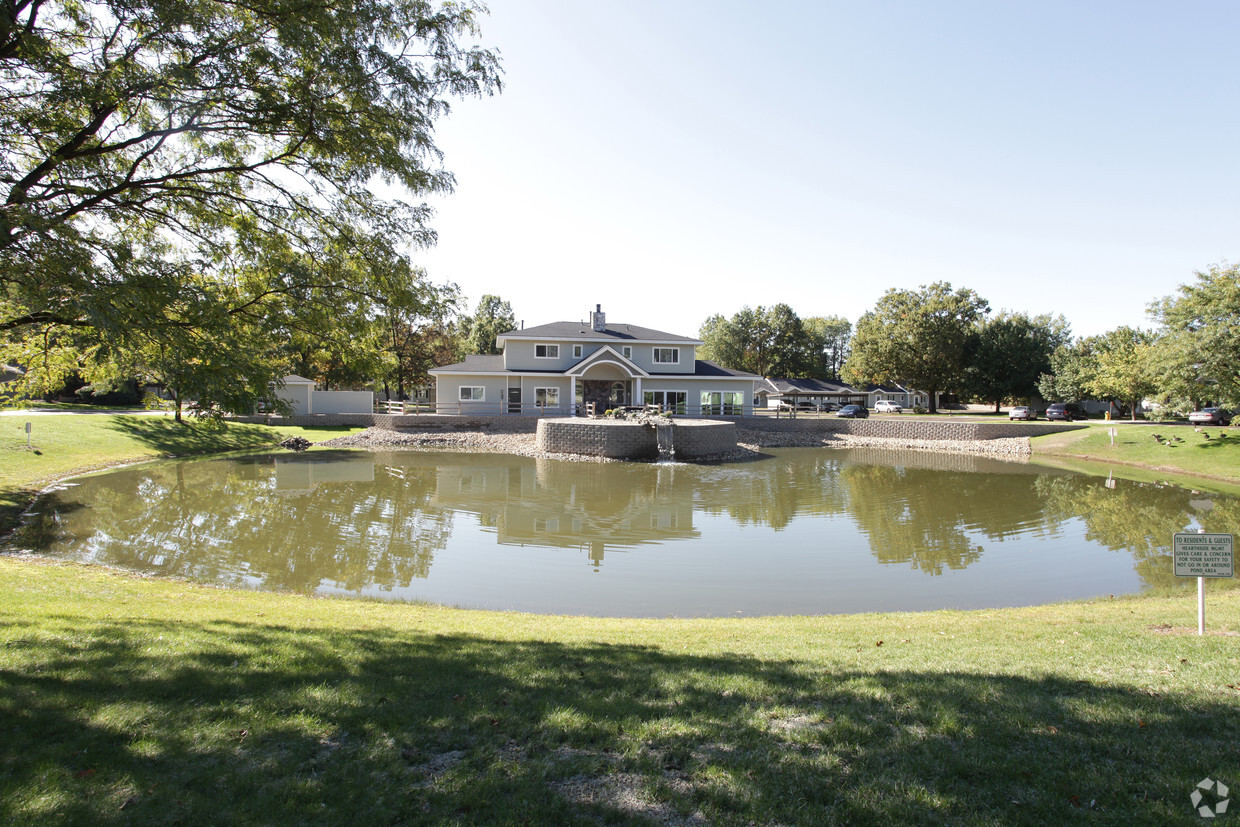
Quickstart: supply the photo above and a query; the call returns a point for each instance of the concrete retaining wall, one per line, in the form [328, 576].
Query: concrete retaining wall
[617, 439]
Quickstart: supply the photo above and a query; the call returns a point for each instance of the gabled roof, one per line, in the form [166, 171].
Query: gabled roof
[485, 363]
[606, 353]
[808, 386]
[703, 367]
[582, 332]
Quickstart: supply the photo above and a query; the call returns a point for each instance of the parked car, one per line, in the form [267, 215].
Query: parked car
[830, 406]
[1066, 411]
[1210, 416]
[853, 412]
[886, 406]
[1022, 412]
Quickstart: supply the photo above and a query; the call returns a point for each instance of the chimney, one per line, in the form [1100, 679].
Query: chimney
[598, 319]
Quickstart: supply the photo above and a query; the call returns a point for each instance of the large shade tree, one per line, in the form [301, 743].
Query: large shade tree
[1124, 366]
[919, 337]
[768, 341]
[1199, 347]
[1010, 352]
[159, 154]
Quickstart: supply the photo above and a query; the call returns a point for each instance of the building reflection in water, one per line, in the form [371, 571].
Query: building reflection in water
[561, 504]
[801, 521]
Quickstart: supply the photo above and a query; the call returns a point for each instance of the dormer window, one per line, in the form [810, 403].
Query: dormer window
[547, 351]
[667, 356]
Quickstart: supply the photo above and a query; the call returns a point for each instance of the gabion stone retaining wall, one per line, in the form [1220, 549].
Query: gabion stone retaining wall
[617, 439]
[434, 422]
[913, 427]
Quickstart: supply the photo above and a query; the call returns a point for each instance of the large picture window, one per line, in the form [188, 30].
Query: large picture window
[472, 393]
[547, 397]
[547, 351]
[667, 356]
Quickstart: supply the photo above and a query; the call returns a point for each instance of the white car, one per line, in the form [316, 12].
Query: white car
[886, 406]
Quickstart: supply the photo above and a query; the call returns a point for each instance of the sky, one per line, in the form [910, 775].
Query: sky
[678, 159]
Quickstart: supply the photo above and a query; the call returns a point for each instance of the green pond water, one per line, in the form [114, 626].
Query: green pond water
[803, 531]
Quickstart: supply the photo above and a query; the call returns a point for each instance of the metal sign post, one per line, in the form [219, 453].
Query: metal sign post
[27, 436]
[1203, 555]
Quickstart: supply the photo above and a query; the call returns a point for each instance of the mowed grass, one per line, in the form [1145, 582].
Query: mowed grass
[75, 443]
[1213, 452]
[130, 700]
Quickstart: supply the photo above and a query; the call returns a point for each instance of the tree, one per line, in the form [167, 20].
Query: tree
[1011, 351]
[827, 340]
[1125, 369]
[919, 337]
[766, 341]
[492, 317]
[1199, 349]
[422, 340]
[154, 145]
[1071, 374]
[722, 342]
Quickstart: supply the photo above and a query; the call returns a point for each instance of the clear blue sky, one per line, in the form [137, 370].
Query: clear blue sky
[672, 160]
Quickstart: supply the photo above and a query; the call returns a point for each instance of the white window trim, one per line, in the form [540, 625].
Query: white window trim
[576, 351]
[626, 351]
[548, 346]
[546, 391]
[460, 393]
[654, 356]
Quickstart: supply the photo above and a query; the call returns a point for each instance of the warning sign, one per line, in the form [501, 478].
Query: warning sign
[1203, 555]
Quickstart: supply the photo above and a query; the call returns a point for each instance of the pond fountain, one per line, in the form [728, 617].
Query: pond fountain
[803, 531]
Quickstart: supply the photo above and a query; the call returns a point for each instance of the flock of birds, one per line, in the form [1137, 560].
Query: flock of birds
[1172, 441]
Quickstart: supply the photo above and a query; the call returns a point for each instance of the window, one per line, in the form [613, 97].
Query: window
[627, 351]
[547, 397]
[471, 393]
[667, 356]
[726, 403]
[670, 401]
[576, 351]
[547, 351]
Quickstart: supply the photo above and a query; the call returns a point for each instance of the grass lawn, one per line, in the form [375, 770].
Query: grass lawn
[70, 444]
[1216, 457]
[131, 700]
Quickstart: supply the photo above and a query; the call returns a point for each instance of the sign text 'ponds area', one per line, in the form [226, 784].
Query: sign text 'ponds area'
[800, 531]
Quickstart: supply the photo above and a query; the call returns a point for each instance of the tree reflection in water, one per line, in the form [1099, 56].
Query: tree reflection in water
[363, 522]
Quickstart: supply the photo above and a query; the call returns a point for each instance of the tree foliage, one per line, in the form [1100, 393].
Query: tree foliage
[175, 164]
[492, 317]
[767, 341]
[827, 343]
[918, 337]
[1010, 352]
[1198, 353]
[1124, 367]
[1071, 374]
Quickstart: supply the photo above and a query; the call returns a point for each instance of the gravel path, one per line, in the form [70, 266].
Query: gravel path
[749, 443]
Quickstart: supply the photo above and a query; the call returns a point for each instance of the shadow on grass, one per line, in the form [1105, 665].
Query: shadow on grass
[144, 721]
[193, 436]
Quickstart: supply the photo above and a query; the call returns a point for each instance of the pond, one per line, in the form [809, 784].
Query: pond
[802, 531]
